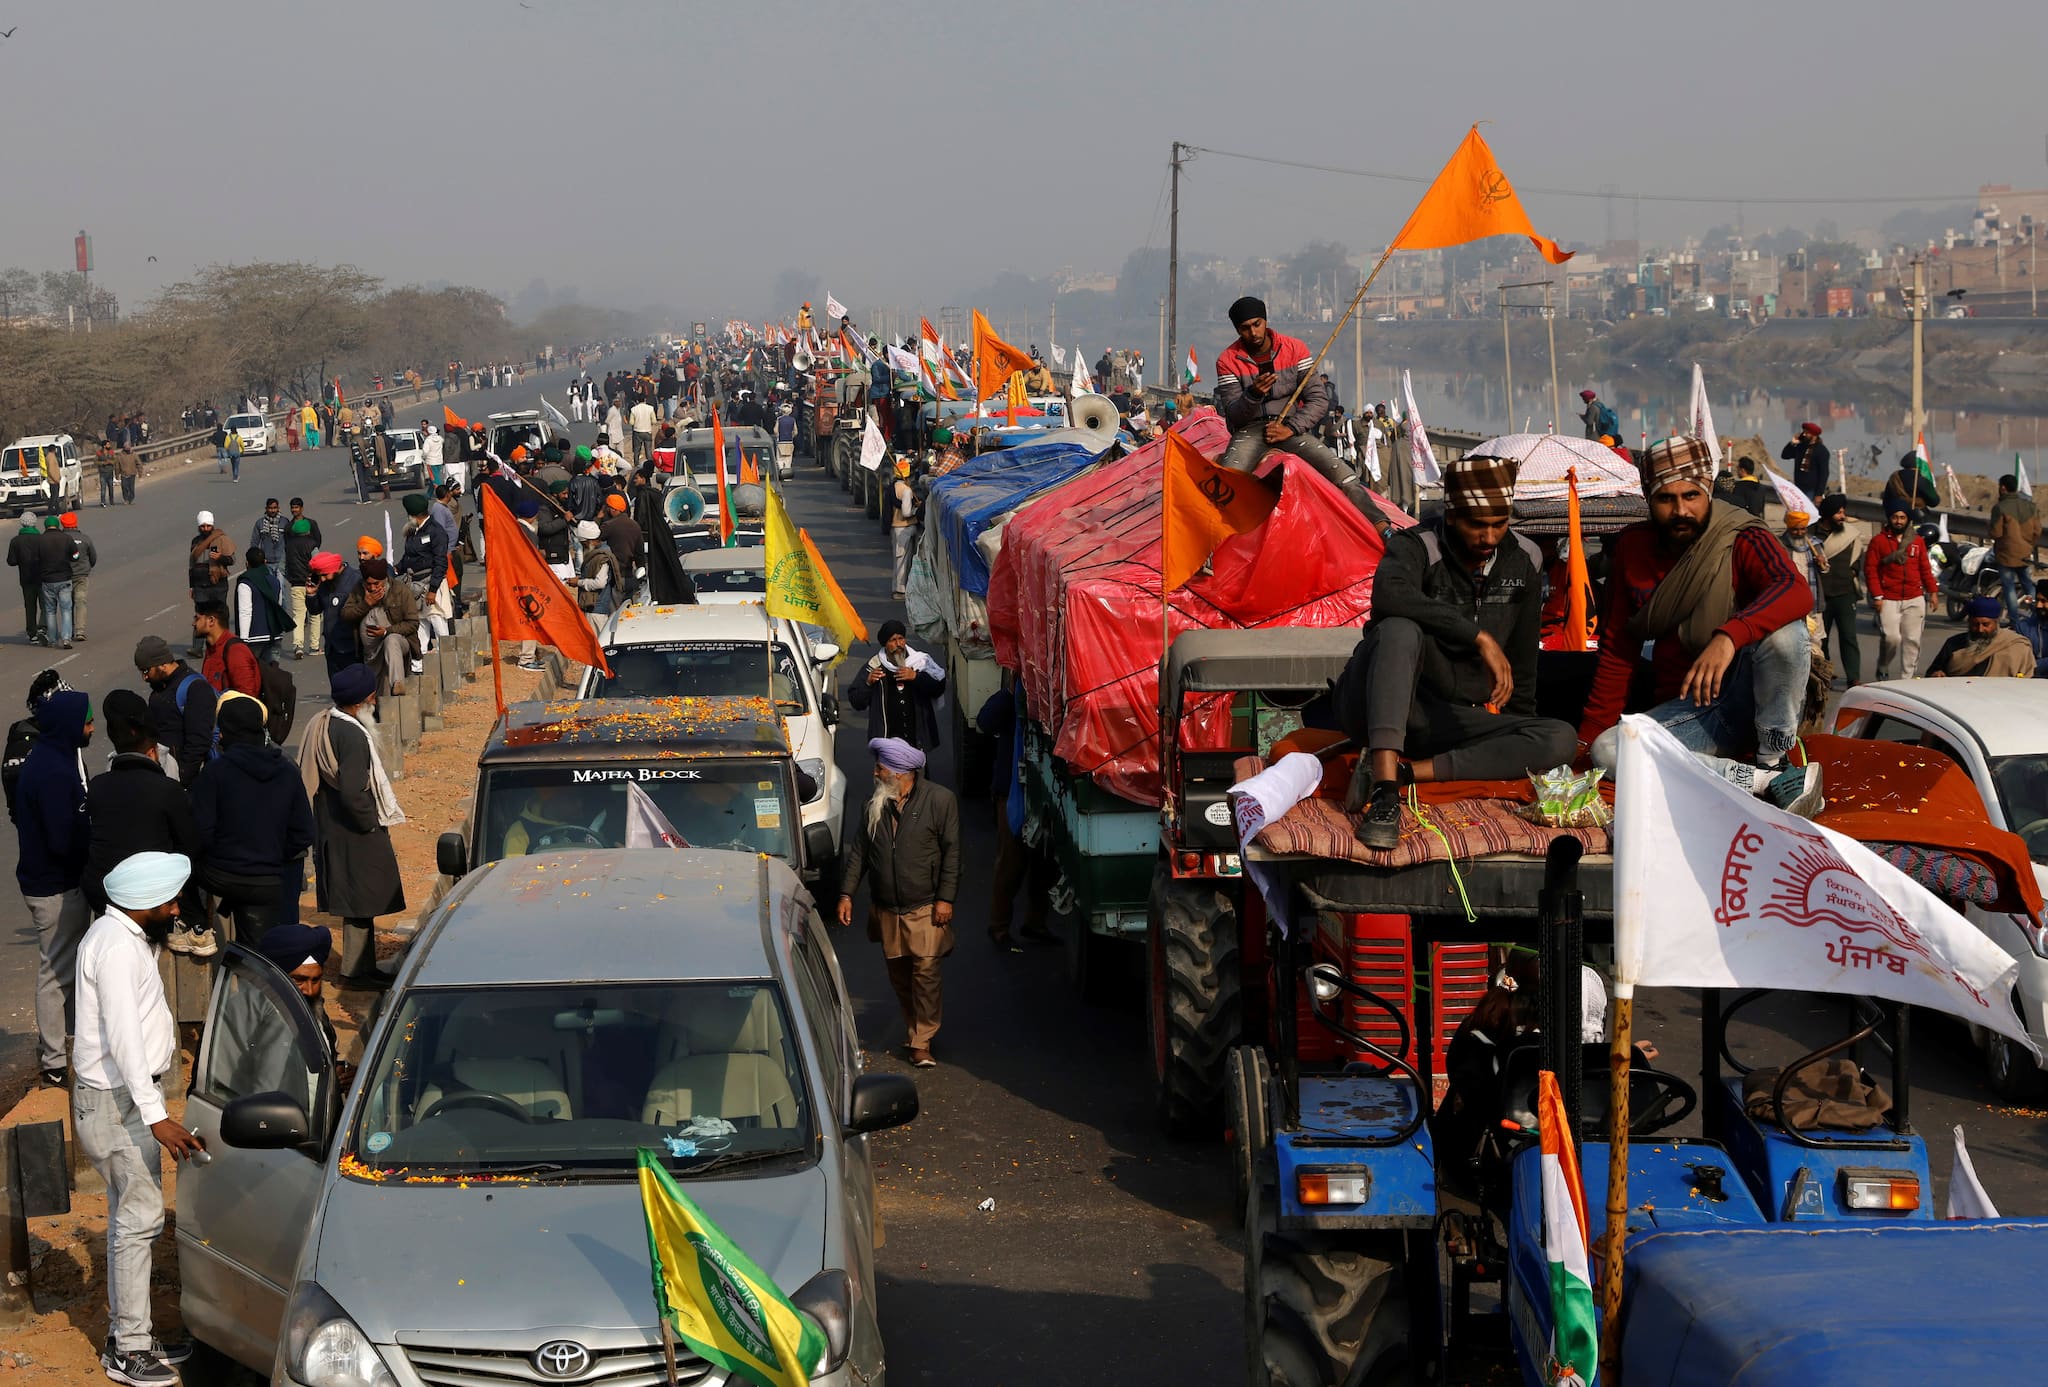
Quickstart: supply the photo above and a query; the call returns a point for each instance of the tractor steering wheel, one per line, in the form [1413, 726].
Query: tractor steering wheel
[1667, 1090]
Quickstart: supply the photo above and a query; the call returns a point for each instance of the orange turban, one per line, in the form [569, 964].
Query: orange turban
[375, 546]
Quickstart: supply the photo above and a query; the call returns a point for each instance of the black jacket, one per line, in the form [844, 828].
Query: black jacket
[187, 732]
[913, 863]
[54, 549]
[586, 496]
[25, 552]
[251, 809]
[135, 806]
[425, 556]
[552, 529]
[50, 817]
[919, 696]
[1453, 605]
[298, 554]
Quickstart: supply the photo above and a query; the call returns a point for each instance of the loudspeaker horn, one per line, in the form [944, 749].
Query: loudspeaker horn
[801, 361]
[1094, 413]
[684, 505]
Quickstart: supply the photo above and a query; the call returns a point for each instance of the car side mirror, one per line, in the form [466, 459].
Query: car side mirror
[451, 855]
[828, 708]
[824, 652]
[275, 1122]
[881, 1101]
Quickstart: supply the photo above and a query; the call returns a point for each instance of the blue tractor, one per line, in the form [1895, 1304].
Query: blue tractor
[1767, 1251]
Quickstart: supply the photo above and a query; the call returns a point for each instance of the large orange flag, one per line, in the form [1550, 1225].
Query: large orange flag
[527, 601]
[1578, 621]
[1205, 505]
[455, 424]
[995, 360]
[1471, 200]
[718, 465]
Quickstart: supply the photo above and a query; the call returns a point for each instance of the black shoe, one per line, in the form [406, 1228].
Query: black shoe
[175, 1352]
[54, 1078]
[139, 1369]
[1381, 826]
[372, 981]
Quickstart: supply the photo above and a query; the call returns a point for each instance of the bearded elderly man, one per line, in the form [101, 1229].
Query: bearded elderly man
[1983, 651]
[907, 845]
[1705, 629]
[1442, 685]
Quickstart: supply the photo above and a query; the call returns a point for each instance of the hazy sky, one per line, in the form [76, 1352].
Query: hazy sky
[684, 153]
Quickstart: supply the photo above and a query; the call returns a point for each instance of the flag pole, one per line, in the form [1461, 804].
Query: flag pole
[1612, 1236]
[668, 1350]
[1328, 342]
[497, 670]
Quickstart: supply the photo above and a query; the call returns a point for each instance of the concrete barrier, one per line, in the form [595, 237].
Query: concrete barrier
[384, 731]
[426, 686]
[401, 713]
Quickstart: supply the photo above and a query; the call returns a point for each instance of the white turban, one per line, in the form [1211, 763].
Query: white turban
[148, 879]
[206, 517]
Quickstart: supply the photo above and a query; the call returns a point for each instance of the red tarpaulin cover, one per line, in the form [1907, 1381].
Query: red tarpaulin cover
[1074, 600]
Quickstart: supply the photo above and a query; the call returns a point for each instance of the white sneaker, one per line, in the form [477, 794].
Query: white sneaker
[180, 940]
[205, 943]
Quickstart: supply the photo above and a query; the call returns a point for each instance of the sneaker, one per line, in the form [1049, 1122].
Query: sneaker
[204, 943]
[140, 1368]
[1797, 790]
[1381, 826]
[175, 1352]
[54, 1078]
[180, 940]
[532, 666]
[922, 1059]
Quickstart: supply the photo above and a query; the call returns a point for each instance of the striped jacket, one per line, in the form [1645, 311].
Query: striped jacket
[1290, 357]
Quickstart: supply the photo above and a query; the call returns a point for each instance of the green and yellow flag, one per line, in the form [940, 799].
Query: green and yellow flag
[713, 1297]
[800, 586]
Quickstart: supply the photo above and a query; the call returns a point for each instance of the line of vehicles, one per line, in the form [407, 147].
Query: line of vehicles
[628, 957]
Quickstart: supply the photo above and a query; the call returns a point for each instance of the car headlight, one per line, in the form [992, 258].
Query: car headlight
[815, 769]
[828, 1299]
[324, 1348]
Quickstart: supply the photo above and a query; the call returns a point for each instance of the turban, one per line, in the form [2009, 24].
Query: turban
[1896, 505]
[53, 521]
[586, 529]
[301, 526]
[1813, 429]
[1246, 309]
[1672, 461]
[375, 546]
[942, 434]
[583, 452]
[1480, 486]
[526, 507]
[519, 453]
[375, 568]
[896, 755]
[325, 563]
[150, 652]
[147, 880]
[1832, 506]
[206, 517]
[351, 685]
[1984, 606]
[415, 503]
[1585, 394]
[70, 520]
[241, 719]
[890, 630]
[293, 946]
[615, 502]
[902, 467]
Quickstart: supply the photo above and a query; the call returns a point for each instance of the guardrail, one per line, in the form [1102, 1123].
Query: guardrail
[179, 444]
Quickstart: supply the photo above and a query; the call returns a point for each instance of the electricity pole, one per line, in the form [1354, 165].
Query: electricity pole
[1919, 316]
[1169, 323]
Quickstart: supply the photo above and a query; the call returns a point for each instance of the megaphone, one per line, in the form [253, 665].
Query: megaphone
[684, 505]
[1095, 414]
[802, 360]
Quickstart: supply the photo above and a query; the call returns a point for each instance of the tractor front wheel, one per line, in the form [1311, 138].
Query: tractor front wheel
[1196, 1003]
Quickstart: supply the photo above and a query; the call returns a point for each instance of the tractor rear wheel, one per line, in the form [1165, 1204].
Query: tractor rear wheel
[1321, 1308]
[1247, 1122]
[1195, 1010]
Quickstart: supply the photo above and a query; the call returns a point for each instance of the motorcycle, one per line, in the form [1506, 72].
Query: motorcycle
[1965, 570]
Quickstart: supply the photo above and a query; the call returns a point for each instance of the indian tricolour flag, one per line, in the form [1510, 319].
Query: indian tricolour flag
[1574, 1338]
[1190, 373]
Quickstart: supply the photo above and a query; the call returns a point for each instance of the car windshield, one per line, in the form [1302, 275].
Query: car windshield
[567, 1079]
[245, 421]
[2023, 796]
[26, 459]
[703, 669]
[696, 458]
[403, 439]
[506, 437]
[696, 539]
[738, 804]
[752, 580]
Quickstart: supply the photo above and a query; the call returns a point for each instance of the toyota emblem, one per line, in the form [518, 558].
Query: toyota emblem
[561, 1359]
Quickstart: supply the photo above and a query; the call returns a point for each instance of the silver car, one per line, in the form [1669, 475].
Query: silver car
[469, 1212]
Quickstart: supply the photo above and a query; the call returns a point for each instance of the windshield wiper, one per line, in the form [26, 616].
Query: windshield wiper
[732, 1158]
[563, 1174]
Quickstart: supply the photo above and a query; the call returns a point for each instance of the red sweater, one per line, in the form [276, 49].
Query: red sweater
[1898, 582]
[232, 665]
[1769, 593]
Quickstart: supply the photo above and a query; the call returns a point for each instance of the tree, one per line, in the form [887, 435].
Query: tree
[281, 320]
[18, 293]
[65, 293]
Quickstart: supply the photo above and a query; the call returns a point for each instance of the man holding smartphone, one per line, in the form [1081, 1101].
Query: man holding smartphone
[1256, 378]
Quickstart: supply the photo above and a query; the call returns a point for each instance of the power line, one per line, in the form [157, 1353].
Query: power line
[1970, 197]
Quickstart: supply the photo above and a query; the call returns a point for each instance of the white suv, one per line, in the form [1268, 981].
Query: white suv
[254, 429]
[39, 472]
[726, 652]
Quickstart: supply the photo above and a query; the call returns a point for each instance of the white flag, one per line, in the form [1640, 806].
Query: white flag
[901, 360]
[646, 825]
[390, 550]
[560, 420]
[1956, 500]
[834, 309]
[1420, 455]
[1703, 420]
[2019, 472]
[873, 447]
[1747, 895]
[1790, 496]
[1059, 356]
[1372, 450]
[1083, 382]
[1966, 1196]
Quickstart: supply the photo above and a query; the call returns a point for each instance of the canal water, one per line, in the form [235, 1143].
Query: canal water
[1981, 441]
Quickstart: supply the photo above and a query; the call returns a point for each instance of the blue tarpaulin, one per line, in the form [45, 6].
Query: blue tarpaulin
[979, 492]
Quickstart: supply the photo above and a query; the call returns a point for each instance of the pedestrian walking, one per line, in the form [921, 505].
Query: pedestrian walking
[2015, 533]
[219, 439]
[301, 543]
[56, 548]
[127, 467]
[1900, 579]
[51, 837]
[235, 454]
[127, 1043]
[103, 463]
[23, 734]
[229, 665]
[354, 811]
[85, 557]
[334, 582]
[137, 805]
[255, 823]
[906, 845]
[206, 573]
[898, 688]
[268, 534]
[25, 557]
[309, 425]
[259, 614]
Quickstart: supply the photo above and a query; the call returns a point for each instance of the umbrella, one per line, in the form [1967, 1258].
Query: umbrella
[1545, 458]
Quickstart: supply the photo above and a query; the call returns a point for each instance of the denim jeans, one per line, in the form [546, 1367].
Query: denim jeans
[2016, 586]
[57, 612]
[124, 1151]
[106, 486]
[1762, 694]
[60, 922]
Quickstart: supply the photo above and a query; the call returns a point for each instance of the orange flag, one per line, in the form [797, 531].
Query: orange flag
[1471, 200]
[995, 360]
[718, 466]
[527, 601]
[750, 470]
[1578, 578]
[1204, 505]
[456, 424]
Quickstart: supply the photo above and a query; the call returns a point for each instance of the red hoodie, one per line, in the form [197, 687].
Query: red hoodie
[1769, 593]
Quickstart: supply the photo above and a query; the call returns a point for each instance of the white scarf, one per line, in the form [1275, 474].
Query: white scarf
[389, 815]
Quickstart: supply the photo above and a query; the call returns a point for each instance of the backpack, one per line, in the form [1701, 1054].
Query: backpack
[1608, 422]
[278, 690]
[185, 687]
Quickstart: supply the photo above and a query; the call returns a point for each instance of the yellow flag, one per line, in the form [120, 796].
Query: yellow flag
[800, 586]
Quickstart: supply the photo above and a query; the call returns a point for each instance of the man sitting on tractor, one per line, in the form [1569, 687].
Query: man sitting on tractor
[1256, 378]
[1443, 683]
[1704, 628]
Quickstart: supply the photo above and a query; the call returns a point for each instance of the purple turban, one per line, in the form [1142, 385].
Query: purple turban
[896, 755]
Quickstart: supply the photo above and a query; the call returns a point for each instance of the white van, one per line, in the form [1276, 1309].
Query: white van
[40, 472]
